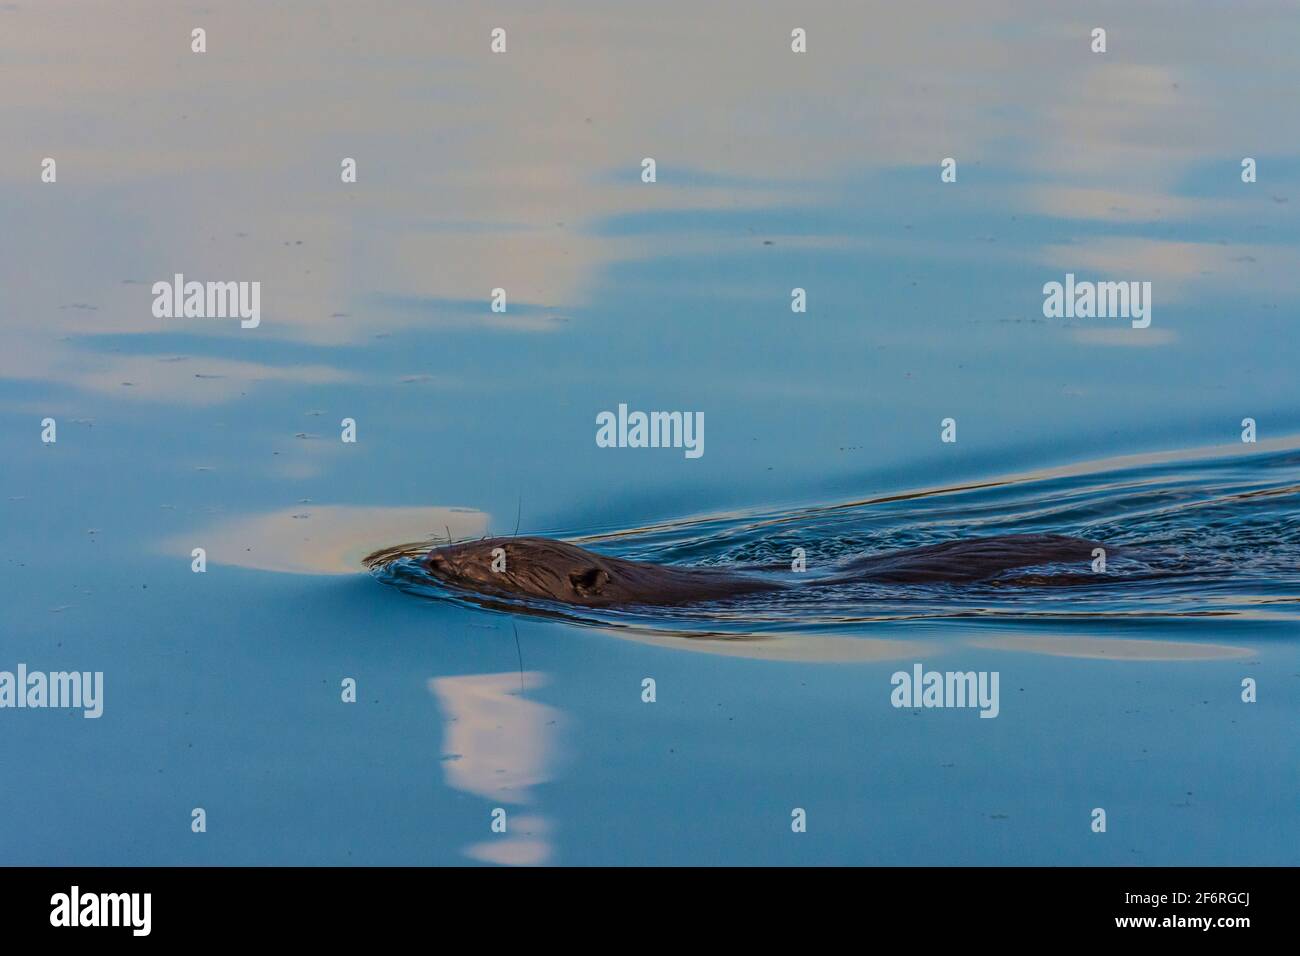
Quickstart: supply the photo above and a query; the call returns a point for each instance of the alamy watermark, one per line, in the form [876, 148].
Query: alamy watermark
[651, 430]
[1100, 300]
[922, 688]
[76, 908]
[73, 689]
[208, 300]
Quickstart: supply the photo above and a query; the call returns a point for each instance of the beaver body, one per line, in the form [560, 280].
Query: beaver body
[552, 570]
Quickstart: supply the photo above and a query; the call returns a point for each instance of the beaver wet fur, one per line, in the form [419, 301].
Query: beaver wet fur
[552, 570]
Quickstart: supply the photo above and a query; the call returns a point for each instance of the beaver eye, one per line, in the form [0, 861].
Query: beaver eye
[438, 563]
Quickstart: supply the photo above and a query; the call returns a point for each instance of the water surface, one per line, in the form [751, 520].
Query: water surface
[522, 171]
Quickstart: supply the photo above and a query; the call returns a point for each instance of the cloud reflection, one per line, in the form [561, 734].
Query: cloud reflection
[498, 745]
[322, 539]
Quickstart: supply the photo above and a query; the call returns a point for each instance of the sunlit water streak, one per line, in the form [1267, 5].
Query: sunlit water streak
[1210, 535]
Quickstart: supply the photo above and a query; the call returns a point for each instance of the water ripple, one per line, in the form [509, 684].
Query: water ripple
[1199, 534]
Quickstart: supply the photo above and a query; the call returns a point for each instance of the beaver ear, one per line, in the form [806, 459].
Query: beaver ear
[588, 580]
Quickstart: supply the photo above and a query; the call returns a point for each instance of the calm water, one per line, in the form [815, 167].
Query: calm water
[522, 171]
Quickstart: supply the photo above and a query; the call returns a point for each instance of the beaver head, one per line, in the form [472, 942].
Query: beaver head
[530, 567]
[557, 571]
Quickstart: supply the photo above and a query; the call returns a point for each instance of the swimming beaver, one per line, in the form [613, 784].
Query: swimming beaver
[557, 571]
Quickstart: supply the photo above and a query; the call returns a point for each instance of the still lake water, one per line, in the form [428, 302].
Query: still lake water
[522, 171]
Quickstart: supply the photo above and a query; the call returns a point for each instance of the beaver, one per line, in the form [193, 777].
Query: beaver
[551, 570]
